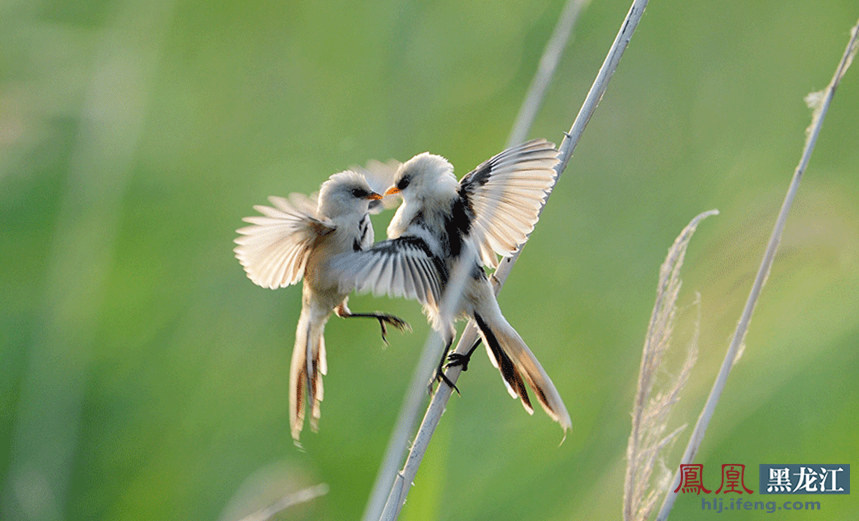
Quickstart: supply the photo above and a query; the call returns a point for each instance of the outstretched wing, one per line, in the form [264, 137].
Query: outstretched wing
[505, 194]
[274, 248]
[402, 267]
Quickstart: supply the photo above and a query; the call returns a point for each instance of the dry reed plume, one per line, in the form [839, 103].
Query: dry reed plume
[654, 399]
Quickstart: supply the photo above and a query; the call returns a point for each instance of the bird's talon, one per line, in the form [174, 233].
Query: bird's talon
[441, 377]
[457, 359]
[397, 322]
[450, 384]
[384, 331]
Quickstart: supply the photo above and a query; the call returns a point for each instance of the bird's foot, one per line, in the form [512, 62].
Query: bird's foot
[383, 318]
[441, 377]
[458, 359]
[393, 321]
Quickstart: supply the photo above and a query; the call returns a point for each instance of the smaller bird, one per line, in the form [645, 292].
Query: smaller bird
[489, 212]
[295, 239]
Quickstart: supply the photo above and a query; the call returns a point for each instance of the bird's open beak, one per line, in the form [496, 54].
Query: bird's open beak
[392, 190]
[374, 196]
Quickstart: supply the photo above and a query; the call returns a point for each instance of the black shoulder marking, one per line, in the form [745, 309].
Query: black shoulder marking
[457, 224]
[475, 179]
[465, 191]
[480, 175]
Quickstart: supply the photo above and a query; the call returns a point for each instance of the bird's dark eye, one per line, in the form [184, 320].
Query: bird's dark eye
[404, 182]
[360, 193]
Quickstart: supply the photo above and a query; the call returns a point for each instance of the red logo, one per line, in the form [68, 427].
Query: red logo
[733, 476]
[691, 478]
[733, 479]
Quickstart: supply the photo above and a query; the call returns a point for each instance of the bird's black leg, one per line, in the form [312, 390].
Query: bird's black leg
[383, 318]
[439, 373]
[455, 359]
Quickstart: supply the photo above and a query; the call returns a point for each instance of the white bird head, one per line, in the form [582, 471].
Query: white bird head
[345, 193]
[424, 176]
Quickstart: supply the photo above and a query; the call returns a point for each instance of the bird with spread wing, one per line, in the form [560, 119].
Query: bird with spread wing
[490, 212]
[298, 238]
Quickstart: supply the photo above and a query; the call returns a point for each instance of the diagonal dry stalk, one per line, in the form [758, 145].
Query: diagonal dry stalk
[819, 101]
[402, 482]
[426, 363]
[654, 400]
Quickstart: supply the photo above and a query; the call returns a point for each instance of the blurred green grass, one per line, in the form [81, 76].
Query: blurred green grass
[145, 377]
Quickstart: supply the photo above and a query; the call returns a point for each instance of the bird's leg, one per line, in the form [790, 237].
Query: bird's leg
[383, 318]
[439, 373]
[455, 359]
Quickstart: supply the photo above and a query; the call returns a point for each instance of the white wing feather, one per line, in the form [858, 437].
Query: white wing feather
[273, 250]
[505, 193]
[396, 267]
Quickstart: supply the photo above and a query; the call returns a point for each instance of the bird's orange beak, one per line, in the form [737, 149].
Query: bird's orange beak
[374, 196]
[392, 190]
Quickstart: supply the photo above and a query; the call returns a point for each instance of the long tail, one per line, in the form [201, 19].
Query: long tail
[518, 365]
[305, 373]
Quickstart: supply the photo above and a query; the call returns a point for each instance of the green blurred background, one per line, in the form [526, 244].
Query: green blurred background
[143, 376]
